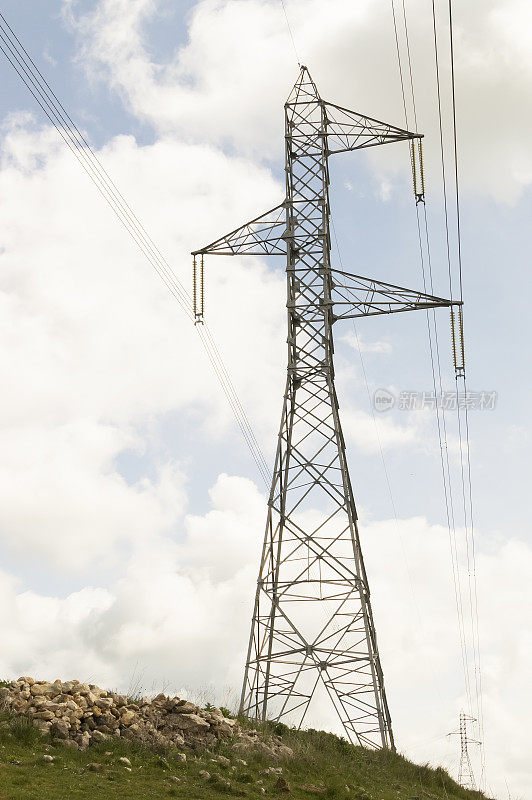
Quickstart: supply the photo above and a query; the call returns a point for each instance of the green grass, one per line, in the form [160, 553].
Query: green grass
[329, 763]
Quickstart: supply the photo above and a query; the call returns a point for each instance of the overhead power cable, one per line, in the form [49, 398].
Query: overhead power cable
[465, 472]
[469, 500]
[385, 470]
[465, 463]
[37, 85]
[290, 32]
[435, 360]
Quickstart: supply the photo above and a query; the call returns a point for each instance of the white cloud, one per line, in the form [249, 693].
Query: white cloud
[97, 351]
[358, 343]
[366, 434]
[227, 83]
[225, 532]
[185, 597]
[167, 610]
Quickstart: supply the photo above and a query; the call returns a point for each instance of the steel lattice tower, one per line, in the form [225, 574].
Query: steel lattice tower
[312, 620]
[465, 772]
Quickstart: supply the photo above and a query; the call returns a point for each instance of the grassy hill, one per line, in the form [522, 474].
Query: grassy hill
[32, 767]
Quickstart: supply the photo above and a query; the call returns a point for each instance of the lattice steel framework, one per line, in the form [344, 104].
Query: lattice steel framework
[312, 621]
[466, 777]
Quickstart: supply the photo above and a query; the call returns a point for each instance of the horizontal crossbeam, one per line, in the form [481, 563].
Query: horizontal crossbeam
[262, 236]
[348, 130]
[355, 296]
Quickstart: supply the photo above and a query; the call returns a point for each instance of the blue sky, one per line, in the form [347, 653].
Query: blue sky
[202, 153]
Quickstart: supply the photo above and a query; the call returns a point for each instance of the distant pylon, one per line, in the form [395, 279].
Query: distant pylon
[465, 772]
[312, 628]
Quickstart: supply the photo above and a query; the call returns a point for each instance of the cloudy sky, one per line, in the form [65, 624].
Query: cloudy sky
[131, 512]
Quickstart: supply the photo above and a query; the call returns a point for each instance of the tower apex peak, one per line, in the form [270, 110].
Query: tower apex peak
[304, 88]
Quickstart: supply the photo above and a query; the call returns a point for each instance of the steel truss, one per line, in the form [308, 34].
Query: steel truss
[465, 772]
[312, 620]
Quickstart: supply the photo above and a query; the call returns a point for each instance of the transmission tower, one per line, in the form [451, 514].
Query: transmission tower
[465, 772]
[312, 627]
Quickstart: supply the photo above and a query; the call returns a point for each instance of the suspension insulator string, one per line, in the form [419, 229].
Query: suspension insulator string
[194, 286]
[418, 174]
[198, 292]
[461, 334]
[413, 164]
[421, 169]
[453, 336]
[202, 289]
[457, 338]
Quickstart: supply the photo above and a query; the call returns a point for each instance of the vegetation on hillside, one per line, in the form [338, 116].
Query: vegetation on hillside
[32, 767]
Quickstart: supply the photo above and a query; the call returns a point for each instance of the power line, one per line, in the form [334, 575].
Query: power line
[290, 32]
[415, 604]
[465, 473]
[478, 675]
[31, 76]
[435, 362]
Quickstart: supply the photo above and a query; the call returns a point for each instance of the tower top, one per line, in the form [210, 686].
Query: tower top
[304, 89]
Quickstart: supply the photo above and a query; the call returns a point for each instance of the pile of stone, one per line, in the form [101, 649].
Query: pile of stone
[79, 714]
[270, 746]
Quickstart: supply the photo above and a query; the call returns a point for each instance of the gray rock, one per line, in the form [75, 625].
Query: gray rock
[107, 719]
[59, 729]
[189, 722]
[45, 715]
[68, 743]
[40, 689]
[84, 740]
[4, 694]
[184, 707]
[104, 702]
[222, 760]
[272, 771]
[127, 717]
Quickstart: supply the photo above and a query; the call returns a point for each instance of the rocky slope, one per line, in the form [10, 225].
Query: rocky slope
[80, 714]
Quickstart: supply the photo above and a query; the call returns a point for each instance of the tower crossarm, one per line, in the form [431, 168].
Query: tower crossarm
[263, 236]
[349, 130]
[354, 296]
